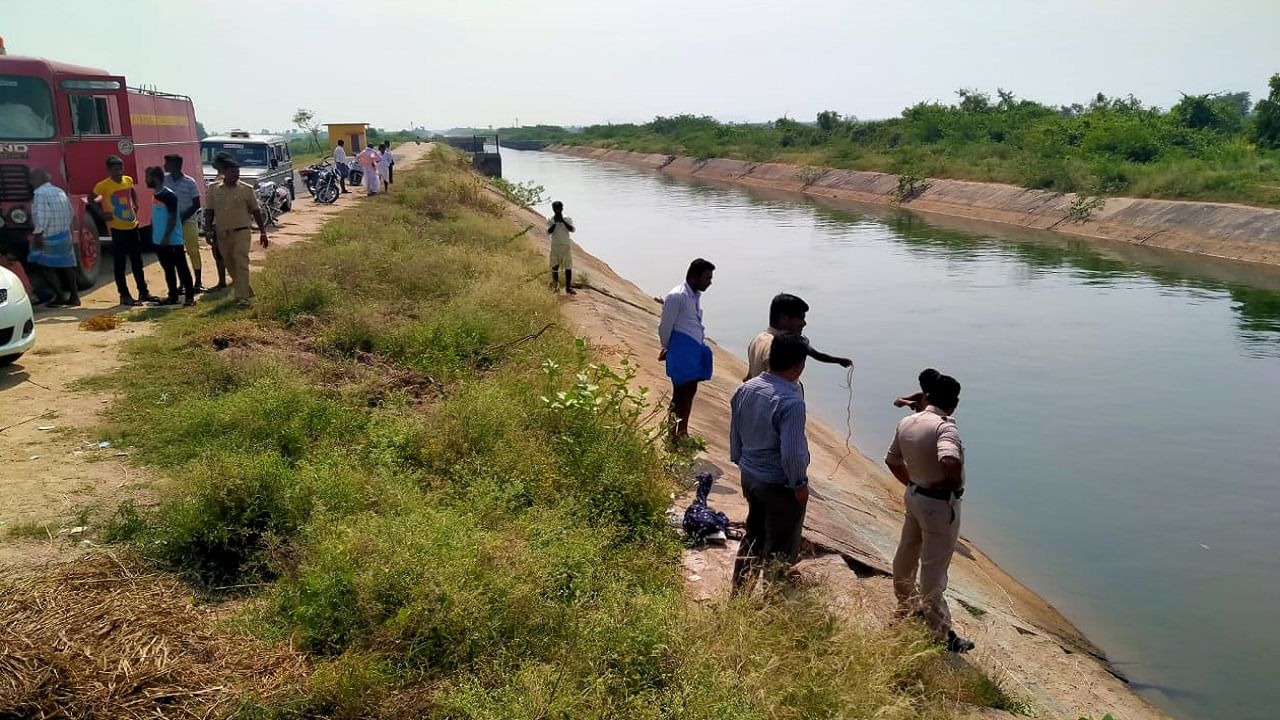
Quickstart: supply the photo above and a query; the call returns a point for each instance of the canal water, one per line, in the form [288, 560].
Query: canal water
[1120, 405]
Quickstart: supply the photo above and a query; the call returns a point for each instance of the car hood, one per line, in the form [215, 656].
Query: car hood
[12, 284]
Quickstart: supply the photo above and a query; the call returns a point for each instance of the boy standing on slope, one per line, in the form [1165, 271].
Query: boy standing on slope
[560, 229]
[786, 317]
[684, 342]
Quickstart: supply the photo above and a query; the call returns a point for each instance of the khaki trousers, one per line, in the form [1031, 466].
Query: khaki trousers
[191, 240]
[233, 245]
[929, 534]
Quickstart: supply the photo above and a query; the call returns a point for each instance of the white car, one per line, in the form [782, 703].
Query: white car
[17, 325]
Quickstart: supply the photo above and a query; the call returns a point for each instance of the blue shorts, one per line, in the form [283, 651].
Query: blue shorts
[687, 360]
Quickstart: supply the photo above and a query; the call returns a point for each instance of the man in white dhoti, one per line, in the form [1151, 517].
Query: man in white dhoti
[384, 164]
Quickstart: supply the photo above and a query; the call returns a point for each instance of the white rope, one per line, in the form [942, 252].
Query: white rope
[848, 425]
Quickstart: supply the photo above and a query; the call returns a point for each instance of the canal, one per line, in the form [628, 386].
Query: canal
[1119, 405]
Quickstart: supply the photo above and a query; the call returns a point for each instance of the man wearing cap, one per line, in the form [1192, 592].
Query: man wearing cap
[232, 208]
[928, 458]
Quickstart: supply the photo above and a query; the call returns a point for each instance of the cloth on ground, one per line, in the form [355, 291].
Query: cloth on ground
[700, 521]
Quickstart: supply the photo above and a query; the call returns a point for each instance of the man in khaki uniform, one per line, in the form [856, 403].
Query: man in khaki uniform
[928, 458]
[232, 207]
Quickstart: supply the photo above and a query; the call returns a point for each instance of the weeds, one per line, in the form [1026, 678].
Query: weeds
[498, 549]
[524, 194]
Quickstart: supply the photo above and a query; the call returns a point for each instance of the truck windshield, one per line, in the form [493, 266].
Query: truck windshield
[26, 108]
[247, 154]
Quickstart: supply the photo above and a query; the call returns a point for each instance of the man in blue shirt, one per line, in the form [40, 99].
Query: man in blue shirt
[768, 444]
[166, 235]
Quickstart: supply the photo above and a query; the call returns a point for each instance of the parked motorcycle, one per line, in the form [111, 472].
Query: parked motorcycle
[274, 200]
[322, 182]
[355, 174]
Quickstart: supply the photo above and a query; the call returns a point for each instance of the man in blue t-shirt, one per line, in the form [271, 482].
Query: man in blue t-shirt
[166, 235]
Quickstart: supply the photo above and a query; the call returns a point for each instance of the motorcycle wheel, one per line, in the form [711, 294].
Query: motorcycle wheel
[328, 194]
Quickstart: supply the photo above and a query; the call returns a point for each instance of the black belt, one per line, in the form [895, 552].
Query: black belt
[938, 493]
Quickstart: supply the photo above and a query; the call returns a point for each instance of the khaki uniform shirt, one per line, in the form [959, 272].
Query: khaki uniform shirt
[758, 352]
[232, 207]
[920, 443]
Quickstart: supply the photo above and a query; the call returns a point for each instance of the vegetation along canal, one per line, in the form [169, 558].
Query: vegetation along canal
[1118, 404]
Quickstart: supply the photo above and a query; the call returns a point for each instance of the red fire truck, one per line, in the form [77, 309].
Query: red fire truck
[68, 120]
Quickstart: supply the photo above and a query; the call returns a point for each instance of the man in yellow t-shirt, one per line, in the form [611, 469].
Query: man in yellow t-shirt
[116, 206]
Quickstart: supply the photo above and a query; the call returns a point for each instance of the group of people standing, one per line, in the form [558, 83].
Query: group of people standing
[377, 163]
[767, 442]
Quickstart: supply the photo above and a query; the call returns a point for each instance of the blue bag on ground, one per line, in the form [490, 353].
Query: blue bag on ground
[700, 521]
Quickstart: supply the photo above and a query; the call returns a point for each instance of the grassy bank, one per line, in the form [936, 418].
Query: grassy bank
[431, 488]
[1207, 147]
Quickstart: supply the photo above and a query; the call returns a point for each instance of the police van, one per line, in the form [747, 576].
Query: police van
[261, 157]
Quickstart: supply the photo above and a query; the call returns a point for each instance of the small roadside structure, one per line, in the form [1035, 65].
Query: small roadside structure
[355, 134]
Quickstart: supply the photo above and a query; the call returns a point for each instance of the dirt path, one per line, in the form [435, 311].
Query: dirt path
[52, 470]
[853, 523]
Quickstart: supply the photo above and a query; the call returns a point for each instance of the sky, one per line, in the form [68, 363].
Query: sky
[394, 63]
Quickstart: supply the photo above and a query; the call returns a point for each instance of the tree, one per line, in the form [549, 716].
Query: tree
[1266, 124]
[306, 121]
[828, 120]
[201, 133]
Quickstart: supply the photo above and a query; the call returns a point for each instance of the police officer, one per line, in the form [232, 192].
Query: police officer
[928, 458]
[232, 204]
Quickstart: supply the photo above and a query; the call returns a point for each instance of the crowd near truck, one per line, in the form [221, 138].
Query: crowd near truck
[68, 120]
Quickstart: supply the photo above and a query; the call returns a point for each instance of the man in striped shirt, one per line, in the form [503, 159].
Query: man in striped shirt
[767, 442]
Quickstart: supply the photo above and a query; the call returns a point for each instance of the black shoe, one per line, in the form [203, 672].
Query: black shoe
[56, 303]
[73, 302]
[222, 285]
[570, 291]
[957, 644]
[189, 302]
[127, 301]
[168, 301]
[149, 298]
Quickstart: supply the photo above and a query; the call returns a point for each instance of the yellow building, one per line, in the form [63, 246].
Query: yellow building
[353, 133]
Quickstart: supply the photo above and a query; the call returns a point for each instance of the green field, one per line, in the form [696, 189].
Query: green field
[1221, 147]
[452, 510]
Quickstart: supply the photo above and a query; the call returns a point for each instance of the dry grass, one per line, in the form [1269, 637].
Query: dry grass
[97, 638]
[101, 323]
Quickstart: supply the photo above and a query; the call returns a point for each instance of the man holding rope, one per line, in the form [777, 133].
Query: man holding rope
[786, 316]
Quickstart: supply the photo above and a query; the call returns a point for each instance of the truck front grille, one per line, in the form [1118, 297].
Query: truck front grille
[15, 184]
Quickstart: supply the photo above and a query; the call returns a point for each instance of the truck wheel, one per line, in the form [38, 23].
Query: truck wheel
[88, 253]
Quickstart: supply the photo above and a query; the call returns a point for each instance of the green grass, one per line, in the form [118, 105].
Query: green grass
[452, 523]
[28, 530]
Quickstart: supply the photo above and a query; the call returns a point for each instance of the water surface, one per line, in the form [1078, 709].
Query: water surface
[1119, 404]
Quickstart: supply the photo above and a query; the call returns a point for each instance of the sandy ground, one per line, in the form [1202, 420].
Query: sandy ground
[853, 523]
[52, 470]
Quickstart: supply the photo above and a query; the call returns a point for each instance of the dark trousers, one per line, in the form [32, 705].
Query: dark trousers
[63, 281]
[126, 249]
[173, 258]
[391, 173]
[775, 519]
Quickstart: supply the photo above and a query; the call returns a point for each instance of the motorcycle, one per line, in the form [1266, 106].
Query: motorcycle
[274, 200]
[355, 174]
[322, 182]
